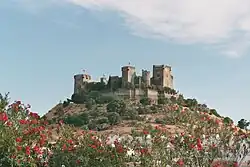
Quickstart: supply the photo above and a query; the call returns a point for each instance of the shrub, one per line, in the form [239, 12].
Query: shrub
[65, 103]
[227, 120]
[74, 120]
[114, 118]
[131, 115]
[78, 99]
[105, 99]
[118, 106]
[90, 103]
[145, 101]
[162, 101]
[214, 112]
[102, 120]
[84, 117]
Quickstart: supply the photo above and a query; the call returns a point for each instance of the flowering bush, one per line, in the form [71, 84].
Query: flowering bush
[201, 141]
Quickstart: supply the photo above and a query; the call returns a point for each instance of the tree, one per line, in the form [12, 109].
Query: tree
[243, 124]
[4, 101]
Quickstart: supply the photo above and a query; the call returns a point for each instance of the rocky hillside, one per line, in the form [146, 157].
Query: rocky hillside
[114, 115]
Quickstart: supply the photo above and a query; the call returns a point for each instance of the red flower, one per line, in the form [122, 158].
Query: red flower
[19, 139]
[9, 123]
[70, 141]
[19, 148]
[180, 162]
[199, 145]
[145, 132]
[64, 147]
[23, 121]
[37, 150]
[27, 150]
[3, 117]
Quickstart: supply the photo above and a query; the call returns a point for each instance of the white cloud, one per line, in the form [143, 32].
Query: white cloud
[214, 22]
[223, 24]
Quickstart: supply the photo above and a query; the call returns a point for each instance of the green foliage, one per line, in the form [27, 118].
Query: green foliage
[114, 118]
[131, 114]
[243, 124]
[74, 120]
[118, 106]
[90, 103]
[105, 99]
[94, 95]
[191, 103]
[4, 100]
[84, 118]
[169, 90]
[145, 101]
[163, 100]
[78, 99]
[227, 121]
[102, 120]
[160, 121]
[214, 112]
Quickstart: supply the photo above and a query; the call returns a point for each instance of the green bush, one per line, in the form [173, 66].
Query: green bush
[78, 99]
[105, 99]
[227, 120]
[84, 117]
[145, 101]
[114, 118]
[118, 106]
[131, 115]
[90, 103]
[102, 120]
[74, 120]
[214, 112]
[162, 101]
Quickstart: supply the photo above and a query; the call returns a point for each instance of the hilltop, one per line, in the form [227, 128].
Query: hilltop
[119, 104]
[121, 116]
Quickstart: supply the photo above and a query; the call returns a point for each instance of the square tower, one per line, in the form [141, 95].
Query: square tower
[162, 76]
[80, 81]
[128, 75]
[146, 77]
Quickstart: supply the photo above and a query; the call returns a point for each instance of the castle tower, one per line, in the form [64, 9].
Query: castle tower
[80, 81]
[162, 76]
[128, 75]
[146, 77]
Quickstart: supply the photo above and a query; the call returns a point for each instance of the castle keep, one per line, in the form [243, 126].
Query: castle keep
[130, 84]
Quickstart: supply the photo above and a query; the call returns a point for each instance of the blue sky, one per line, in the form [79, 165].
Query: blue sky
[42, 45]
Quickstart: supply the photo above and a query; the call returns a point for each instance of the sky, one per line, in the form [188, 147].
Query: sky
[44, 43]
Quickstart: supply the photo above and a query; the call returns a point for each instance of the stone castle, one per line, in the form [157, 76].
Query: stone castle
[129, 84]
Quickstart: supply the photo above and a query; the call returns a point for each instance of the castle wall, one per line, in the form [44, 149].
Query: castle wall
[152, 94]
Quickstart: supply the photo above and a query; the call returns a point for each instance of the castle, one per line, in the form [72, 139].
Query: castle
[129, 84]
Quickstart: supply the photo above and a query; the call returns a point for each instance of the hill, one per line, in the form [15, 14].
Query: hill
[117, 115]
